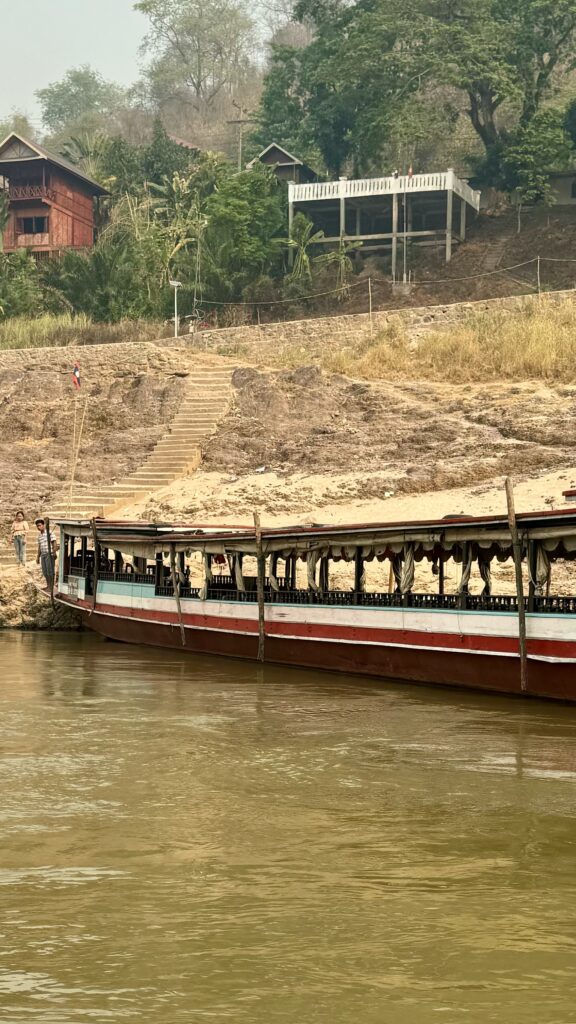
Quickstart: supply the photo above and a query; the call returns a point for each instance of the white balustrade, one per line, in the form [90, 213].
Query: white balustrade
[349, 188]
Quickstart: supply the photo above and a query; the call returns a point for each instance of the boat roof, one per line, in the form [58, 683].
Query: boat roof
[552, 522]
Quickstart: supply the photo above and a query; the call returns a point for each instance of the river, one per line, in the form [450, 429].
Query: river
[194, 839]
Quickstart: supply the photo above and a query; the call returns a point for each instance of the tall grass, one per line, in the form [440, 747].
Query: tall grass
[536, 342]
[67, 329]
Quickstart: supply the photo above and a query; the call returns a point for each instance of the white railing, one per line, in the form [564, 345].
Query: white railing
[349, 188]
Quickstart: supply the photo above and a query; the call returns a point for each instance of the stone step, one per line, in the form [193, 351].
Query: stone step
[199, 376]
[193, 420]
[185, 450]
[195, 416]
[169, 465]
[179, 428]
[188, 451]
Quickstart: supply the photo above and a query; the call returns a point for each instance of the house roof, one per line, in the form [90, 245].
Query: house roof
[183, 143]
[274, 145]
[16, 149]
[290, 161]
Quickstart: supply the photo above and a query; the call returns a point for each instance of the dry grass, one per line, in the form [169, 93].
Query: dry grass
[66, 329]
[537, 342]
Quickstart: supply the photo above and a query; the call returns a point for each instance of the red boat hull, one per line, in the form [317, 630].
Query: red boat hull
[475, 671]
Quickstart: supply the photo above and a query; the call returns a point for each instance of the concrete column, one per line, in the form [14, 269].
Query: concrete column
[358, 221]
[462, 220]
[449, 212]
[394, 234]
[290, 221]
[342, 207]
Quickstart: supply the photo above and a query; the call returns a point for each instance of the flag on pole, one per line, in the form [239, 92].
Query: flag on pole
[76, 377]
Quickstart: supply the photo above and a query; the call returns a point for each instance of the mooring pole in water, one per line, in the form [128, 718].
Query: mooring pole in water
[260, 586]
[96, 564]
[176, 586]
[517, 553]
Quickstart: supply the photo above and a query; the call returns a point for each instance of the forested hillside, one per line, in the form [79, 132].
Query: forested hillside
[355, 88]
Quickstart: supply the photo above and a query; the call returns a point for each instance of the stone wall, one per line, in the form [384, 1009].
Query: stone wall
[139, 357]
[338, 331]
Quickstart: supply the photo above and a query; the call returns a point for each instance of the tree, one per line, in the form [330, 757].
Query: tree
[17, 122]
[370, 59]
[570, 121]
[88, 152]
[245, 215]
[201, 48]
[20, 291]
[164, 158]
[82, 99]
[283, 104]
[537, 148]
[301, 240]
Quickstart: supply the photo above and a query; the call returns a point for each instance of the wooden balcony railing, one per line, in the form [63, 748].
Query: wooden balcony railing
[43, 192]
[32, 241]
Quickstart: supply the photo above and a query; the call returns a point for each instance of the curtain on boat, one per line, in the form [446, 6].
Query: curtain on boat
[407, 574]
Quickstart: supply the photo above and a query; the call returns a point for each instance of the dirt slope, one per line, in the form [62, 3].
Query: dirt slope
[304, 443]
[132, 394]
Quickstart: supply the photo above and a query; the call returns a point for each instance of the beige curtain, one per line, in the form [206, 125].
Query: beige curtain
[407, 575]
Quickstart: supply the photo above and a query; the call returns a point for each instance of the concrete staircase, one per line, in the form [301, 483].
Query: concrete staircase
[178, 453]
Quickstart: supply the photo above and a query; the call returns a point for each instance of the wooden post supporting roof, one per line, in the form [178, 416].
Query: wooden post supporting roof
[176, 589]
[517, 552]
[462, 221]
[260, 587]
[342, 191]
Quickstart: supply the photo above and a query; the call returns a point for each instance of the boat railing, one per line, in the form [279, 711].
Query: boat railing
[185, 591]
[127, 577]
[224, 589]
[555, 605]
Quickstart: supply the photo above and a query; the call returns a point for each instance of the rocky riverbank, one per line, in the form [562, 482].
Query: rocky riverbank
[24, 606]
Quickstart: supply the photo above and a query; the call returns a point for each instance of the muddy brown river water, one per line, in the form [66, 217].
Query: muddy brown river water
[189, 839]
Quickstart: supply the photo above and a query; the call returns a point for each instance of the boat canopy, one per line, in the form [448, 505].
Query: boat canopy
[485, 537]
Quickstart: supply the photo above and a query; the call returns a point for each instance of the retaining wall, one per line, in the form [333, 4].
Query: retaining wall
[352, 328]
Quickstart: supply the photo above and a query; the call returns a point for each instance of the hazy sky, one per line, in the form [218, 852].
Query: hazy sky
[41, 39]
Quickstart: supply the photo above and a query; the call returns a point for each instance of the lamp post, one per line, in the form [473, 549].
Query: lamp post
[175, 285]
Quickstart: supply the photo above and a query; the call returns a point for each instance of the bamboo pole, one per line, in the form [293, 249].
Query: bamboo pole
[517, 553]
[260, 587]
[76, 453]
[176, 586]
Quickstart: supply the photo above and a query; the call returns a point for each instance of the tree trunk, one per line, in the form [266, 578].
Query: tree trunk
[482, 114]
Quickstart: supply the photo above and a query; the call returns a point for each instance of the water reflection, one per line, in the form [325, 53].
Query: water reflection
[191, 839]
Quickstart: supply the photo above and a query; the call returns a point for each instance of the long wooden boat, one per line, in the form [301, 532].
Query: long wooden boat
[276, 595]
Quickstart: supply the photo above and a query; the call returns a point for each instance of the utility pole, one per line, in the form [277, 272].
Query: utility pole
[241, 122]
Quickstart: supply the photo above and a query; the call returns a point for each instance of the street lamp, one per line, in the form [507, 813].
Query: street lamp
[175, 285]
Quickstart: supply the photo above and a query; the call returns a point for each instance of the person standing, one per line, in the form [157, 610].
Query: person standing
[46, 556]
[19, 536]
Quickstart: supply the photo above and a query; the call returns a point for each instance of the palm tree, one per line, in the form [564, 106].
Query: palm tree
[300, 241]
